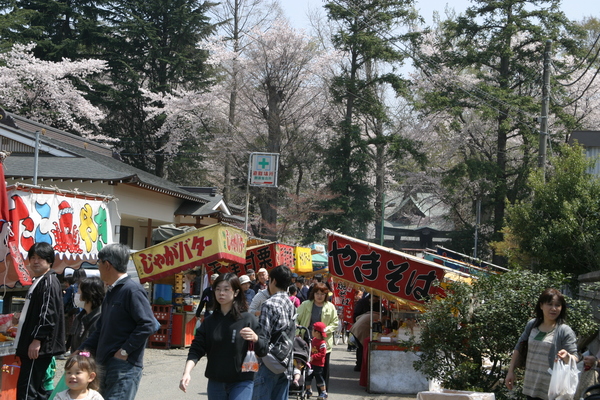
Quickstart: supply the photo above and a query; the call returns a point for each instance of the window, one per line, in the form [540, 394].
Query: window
[126, 235]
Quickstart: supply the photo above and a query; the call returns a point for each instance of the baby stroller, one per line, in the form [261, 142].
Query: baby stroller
[593, 393]
[301, 355]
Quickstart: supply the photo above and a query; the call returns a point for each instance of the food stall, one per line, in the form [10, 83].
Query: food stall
[404, 279]
[164, 264]
[76, 224]
[264, 255]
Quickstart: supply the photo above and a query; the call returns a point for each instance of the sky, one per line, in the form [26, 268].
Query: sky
[296, 10]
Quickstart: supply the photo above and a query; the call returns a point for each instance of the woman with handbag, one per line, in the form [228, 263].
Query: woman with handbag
[219, 338]
[546, 338]
[318, 309]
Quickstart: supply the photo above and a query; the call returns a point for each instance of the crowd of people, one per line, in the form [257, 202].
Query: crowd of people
[101, 326]
[106, 335]
[247, 331]
[265, 308]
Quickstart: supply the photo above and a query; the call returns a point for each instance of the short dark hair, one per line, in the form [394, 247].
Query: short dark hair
[239, 301]
[546, 297]
[292, 290]
[300, 279]
[282, 275]
[318, 277]
[92, 291]
[117, 254]
[43, 250]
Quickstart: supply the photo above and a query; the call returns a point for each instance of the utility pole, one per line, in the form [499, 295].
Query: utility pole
[545, 106]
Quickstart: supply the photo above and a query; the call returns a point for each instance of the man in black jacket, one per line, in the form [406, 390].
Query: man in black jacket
[41, 333]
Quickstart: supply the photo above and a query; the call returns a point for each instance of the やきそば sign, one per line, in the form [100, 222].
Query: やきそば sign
[216, 243]
[379, 268]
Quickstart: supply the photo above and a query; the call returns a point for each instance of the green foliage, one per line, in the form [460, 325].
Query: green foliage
[494, 52]
[61, 29]
[468, 336]
[364, 33]
[559, 225]
[153, 46]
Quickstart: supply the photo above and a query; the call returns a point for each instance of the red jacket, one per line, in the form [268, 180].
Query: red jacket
[318, 351]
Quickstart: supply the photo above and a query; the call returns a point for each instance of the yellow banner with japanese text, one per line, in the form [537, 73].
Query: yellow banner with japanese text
[219, 242]
[303, 257]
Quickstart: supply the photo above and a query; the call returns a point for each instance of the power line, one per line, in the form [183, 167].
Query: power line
[576, 68]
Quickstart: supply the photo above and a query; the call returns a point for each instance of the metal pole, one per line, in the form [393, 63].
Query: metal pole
[247, 205]
[36, 157]
[381, 238]
[545, 106]
[371, 317]
[477, 222]
[248, 191]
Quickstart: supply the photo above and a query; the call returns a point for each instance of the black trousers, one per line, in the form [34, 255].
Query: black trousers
[31, 378]
[326, 370]
[359, 352]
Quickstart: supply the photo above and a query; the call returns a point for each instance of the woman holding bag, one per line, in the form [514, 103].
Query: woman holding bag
[548, 338]
[224, 338]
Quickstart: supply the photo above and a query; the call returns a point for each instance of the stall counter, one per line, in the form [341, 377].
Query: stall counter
[9, 372]
[182, 333]
[390, 369]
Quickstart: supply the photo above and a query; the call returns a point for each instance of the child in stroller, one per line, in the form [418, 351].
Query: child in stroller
[301, 355]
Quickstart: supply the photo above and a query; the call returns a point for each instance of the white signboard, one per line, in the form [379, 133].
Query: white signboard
[262, 169]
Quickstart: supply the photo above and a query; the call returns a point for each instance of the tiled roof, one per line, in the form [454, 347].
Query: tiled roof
[90, 162]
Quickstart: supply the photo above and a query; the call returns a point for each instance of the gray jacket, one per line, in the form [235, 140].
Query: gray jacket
[564, 338]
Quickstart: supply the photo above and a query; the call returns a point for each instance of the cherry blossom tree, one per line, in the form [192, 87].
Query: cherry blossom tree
[47, 91]
[235, 19]
[280, 108]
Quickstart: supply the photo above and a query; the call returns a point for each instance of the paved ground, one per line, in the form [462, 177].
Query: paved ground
[163, 370]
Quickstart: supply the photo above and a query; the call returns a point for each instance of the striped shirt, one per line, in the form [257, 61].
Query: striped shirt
[537, 377]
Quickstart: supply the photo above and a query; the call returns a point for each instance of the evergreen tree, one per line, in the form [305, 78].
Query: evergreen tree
[364, 33]
[153, 48]
[486, 67]
[71, 29]
[564, 213]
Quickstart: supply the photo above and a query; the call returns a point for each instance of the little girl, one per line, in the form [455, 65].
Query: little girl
[80, 377]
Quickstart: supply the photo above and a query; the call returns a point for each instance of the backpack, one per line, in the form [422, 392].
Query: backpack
[280, 352]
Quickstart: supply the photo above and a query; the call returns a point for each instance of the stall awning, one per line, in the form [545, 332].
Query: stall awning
[267, 255]
[76, 224]
[219, 243]
[391, 272]
[319, 261]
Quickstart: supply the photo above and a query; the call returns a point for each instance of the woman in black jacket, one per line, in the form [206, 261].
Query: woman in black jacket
[219, 339]
[41, 333]
[89, 298]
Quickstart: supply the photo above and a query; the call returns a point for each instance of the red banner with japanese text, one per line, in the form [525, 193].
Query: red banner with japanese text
[266, 256]
[343, 299]
[380, 268]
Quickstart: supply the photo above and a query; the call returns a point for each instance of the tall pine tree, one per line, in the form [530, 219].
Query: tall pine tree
[153, 47]
[365, 31]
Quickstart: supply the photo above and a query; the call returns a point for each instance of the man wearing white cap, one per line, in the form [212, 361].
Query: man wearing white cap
[262, 283]
[207, 298]
[245, 282]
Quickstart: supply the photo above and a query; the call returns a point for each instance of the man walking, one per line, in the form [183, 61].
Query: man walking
[277, 324]
[126, 323]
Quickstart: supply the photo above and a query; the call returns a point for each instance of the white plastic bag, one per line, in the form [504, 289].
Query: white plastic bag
[564, 380]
